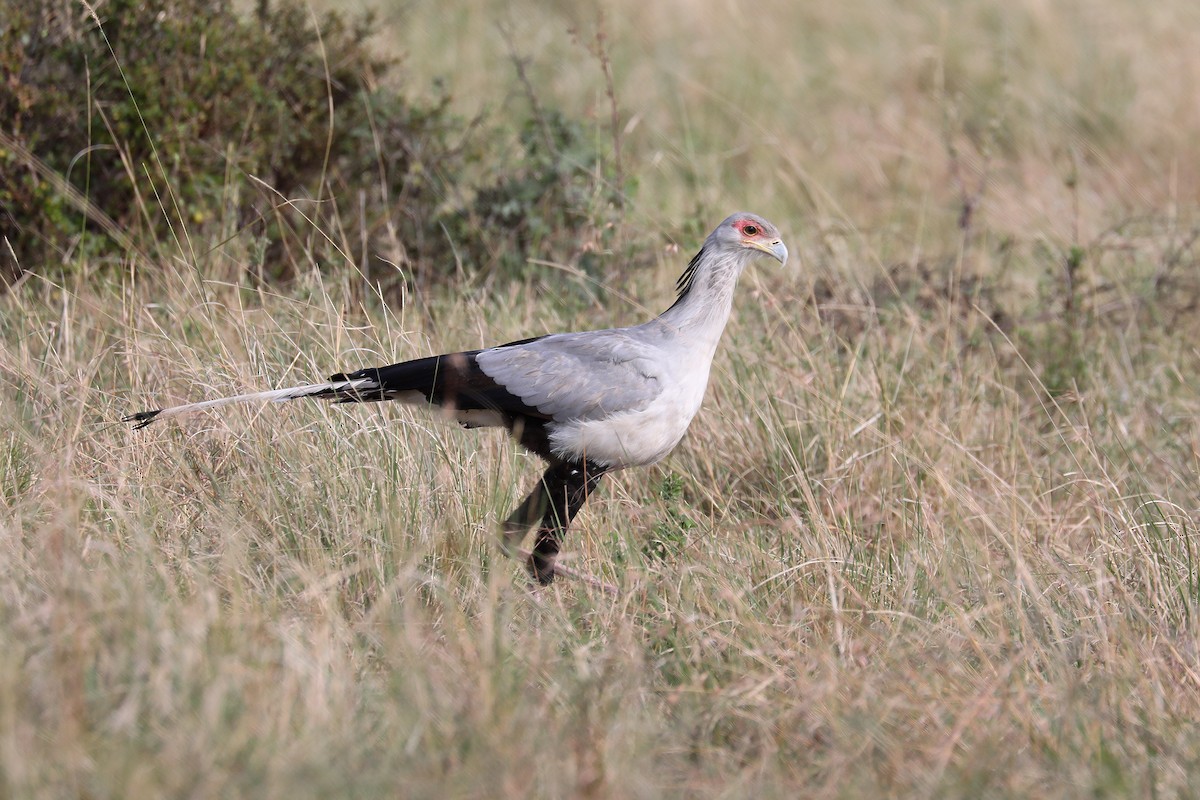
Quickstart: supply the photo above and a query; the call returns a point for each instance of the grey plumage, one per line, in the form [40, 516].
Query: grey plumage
[580, 376]
[587, 402]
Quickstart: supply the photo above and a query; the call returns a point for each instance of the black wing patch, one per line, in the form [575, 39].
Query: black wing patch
[452, 381]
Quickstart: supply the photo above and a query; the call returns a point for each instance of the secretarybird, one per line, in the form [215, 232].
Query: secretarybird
[588, 403]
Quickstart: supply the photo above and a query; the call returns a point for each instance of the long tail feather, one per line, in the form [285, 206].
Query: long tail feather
[345, 390]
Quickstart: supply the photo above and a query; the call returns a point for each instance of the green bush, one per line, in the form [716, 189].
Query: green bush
[557, 188]
[142, 126]
[156, 115]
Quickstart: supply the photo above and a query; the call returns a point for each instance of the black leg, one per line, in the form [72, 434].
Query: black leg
[551, 505]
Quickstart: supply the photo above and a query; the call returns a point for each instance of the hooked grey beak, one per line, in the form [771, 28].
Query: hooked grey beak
[776, 250]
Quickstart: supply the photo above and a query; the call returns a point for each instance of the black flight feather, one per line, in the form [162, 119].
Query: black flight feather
[452, 381]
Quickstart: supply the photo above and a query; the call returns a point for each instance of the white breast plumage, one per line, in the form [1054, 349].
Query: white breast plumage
[635, 438]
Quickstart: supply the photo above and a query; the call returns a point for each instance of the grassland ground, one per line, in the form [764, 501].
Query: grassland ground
[933, 533]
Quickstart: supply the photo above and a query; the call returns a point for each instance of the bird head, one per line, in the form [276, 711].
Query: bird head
[751, 232]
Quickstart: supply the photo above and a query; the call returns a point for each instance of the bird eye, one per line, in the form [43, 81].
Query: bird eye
[750, 230]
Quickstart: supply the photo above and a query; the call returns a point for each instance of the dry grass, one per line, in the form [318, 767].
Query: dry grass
[933, 533]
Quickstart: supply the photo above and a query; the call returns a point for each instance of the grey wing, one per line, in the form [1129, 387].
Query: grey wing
[578, 376]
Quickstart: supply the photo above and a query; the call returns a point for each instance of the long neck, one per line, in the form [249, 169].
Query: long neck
[705, 295]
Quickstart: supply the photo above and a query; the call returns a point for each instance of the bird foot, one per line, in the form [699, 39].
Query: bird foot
[545, 570]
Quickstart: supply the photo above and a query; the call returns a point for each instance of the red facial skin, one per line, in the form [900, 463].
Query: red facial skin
[748, 228]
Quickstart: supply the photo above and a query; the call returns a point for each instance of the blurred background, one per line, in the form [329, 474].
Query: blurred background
[510, 132]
